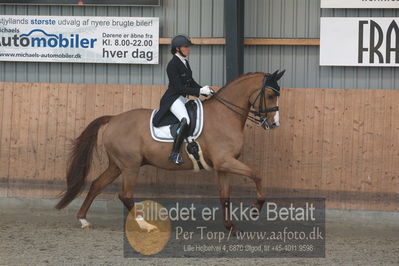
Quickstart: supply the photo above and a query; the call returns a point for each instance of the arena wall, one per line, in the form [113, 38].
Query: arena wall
[335, 143]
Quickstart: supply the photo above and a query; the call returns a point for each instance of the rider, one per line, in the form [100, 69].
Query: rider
[181, 84]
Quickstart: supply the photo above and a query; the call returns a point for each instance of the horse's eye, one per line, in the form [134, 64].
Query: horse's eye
[270, 97]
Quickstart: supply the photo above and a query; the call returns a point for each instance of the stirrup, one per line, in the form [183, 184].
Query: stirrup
[175, 157]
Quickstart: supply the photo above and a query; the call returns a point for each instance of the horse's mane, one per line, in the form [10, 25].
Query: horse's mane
[247, 75]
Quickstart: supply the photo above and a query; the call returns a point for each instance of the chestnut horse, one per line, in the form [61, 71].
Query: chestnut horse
[129, 145]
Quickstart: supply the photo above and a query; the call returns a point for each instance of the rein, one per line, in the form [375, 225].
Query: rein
[262, 106]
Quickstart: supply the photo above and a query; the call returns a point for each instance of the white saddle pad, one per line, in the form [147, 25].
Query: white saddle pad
[163, 134]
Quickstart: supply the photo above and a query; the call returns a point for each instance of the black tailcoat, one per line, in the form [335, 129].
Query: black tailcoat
[182, 83]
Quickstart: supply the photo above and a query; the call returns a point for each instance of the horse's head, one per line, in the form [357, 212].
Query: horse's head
[265, 101]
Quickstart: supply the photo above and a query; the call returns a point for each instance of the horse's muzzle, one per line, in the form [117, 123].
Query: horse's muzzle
[266, 125]
[274, 125]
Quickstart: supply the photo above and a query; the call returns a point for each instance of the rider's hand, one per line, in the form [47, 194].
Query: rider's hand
[206, 91]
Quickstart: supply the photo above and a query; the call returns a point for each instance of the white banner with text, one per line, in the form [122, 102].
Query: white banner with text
[359, 41]
[359, 4]
[122, 40]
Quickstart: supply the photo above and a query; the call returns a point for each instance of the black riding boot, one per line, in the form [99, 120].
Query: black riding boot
[175, 155]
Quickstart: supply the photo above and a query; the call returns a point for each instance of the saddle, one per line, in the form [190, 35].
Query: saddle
[168, 133]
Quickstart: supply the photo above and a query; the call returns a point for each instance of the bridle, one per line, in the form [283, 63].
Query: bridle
[257, 117]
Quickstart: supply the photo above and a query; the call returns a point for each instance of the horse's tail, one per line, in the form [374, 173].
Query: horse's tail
[80, 161]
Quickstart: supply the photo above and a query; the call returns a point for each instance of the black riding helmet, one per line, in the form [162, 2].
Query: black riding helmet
[180, 40]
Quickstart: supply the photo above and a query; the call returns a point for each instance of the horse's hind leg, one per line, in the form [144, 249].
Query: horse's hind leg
[106, 178]
[129, 178]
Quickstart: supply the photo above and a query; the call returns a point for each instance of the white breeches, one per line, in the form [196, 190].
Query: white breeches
[178, 108]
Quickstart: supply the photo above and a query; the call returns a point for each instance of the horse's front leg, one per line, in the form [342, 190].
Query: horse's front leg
[224, 193]
[234, 166]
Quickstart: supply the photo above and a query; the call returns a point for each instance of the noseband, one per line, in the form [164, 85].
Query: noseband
[257, 118]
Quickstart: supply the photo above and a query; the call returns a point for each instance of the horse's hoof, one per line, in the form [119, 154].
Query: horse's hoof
[86, 227]
[85, 224]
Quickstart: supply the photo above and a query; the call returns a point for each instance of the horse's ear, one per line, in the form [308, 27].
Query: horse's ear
[273, 76]
[279, 75]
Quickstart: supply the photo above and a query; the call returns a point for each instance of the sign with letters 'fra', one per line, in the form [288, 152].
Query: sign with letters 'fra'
[122, 40]
[359, 41]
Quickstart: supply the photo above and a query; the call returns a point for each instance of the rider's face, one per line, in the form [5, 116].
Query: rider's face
[184, 50]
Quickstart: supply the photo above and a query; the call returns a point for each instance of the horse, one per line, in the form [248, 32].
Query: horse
[129, 145]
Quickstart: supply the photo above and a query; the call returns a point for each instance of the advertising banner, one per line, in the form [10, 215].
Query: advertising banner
[122, 40]
[359, 4]
[359, 42]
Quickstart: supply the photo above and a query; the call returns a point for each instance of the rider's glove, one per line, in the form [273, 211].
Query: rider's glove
[206, 91]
